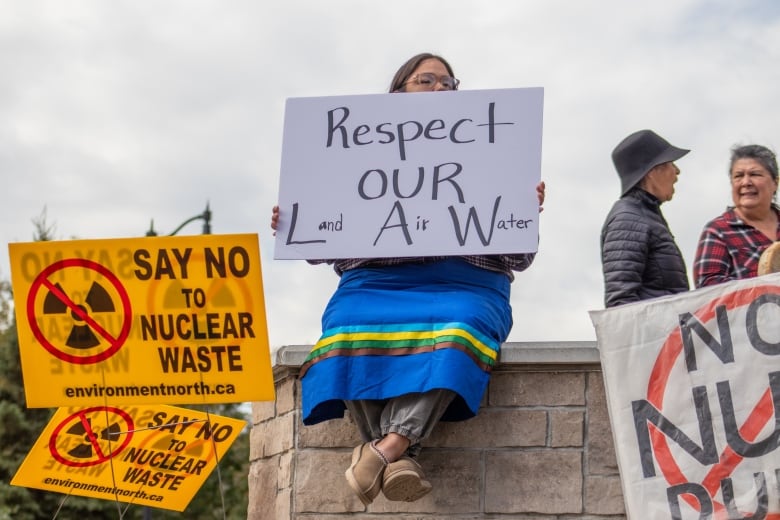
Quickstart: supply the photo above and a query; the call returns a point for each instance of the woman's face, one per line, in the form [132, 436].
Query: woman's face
[752, 186]
[432, 66]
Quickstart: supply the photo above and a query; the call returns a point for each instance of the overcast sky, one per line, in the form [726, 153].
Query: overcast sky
[113, 113]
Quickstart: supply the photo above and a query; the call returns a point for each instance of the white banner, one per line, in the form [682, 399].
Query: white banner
[424, 174]
[693, 389]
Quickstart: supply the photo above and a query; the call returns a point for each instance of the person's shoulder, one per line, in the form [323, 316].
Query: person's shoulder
[627, 216]
[723, 220]
[625, 207]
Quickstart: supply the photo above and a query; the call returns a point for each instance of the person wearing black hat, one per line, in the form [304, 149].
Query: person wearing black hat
[639, 256]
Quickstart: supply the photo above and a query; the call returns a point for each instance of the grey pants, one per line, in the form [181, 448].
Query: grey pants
[410, 415]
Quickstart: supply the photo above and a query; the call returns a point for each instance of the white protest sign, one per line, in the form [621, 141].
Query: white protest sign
[424, 174]
[693, 390]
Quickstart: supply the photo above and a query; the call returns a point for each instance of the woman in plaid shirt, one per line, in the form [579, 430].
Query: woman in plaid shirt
[730, 245]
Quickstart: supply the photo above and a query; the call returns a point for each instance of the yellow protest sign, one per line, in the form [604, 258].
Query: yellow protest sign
[175, 320]
[147, 455]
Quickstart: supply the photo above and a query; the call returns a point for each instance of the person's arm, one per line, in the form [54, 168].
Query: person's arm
[275, 224]
[624, 250]
[712, 264]
[540, 194]
[274, 218]
[518, 262]
[521, 262]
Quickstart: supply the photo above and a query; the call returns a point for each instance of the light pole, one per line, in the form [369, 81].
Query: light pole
[205, 217]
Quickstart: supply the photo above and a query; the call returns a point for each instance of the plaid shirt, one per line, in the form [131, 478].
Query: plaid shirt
[729, 249]
[498, 263]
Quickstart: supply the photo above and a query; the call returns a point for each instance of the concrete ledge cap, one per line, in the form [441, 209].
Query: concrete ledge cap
[537, 352]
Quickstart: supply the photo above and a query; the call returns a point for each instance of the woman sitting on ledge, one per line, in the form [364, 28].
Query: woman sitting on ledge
[407, 342]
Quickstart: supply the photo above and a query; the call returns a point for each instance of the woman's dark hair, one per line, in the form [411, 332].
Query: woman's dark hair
[402, 76]
[762, 154]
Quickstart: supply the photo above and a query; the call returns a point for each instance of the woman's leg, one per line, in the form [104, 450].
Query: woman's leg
[411, 418]
[400, 423]
[367, 415]
[406, 420]
[392, 429]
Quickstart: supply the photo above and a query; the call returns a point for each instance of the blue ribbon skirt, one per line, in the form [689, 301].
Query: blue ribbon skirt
[389, 331]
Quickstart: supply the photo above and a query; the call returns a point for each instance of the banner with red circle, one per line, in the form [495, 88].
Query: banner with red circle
[693, 391]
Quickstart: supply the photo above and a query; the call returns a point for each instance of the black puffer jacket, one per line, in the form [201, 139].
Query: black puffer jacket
[638, 253]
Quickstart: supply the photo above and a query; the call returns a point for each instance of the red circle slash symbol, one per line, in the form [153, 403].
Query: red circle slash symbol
[85, 443]
[87, 333]
[760, 415]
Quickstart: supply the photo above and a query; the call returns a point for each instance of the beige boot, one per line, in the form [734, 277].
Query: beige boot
[404, 481]
[366, 471]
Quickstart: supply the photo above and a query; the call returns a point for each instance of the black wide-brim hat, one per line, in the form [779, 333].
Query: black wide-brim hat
[639, 153]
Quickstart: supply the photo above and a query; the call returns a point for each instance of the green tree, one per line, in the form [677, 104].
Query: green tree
[20, 427]
[5, 305]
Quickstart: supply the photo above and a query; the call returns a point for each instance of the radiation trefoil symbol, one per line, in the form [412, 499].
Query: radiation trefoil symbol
[81, 440]
[81, 335]
[87, 340]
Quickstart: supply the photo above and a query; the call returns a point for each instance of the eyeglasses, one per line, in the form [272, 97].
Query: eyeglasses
[427, 80]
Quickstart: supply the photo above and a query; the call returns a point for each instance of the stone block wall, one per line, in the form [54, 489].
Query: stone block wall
[540, 448]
